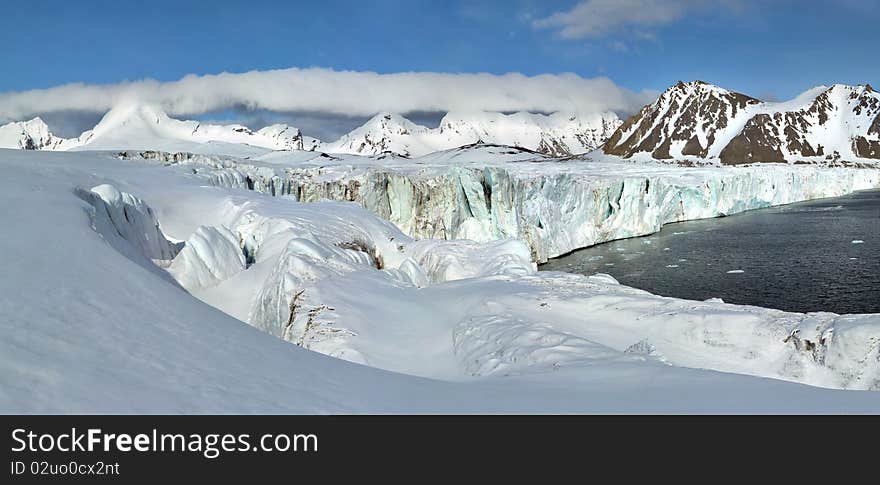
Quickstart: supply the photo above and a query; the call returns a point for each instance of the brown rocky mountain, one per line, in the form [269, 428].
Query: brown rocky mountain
[699, 121]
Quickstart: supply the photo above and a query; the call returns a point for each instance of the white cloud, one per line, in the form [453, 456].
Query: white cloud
[350, 93]
[596, 18]
[618, 46]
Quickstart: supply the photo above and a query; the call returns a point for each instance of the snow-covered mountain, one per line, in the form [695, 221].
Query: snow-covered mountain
[141, 126]
[28, 135]
[287, 137]
[692, 122]
[557, 134]
[135, 125]
[385, 132]
[697, 120]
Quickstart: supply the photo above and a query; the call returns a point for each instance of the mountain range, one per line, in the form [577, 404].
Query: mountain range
[689, 122]
[700, 121]
[134, 126]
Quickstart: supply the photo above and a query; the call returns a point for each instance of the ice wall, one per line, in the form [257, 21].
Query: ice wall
[554, 210]
[127, 223]
[558, 213]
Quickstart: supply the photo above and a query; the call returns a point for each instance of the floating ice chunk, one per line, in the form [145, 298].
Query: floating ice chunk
[858, 241]
[672, 266]
[735, 271]
[666, 249]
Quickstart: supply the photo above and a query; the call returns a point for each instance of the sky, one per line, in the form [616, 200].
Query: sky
[421, 55]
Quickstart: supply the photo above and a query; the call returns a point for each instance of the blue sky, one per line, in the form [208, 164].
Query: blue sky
[771, 49]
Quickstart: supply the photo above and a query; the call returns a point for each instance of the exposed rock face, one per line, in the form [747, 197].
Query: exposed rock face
[866, 148]
[875, 127]
[758, 142]
[700, 121]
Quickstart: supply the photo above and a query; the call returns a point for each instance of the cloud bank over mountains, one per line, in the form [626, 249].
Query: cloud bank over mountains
[350, 93]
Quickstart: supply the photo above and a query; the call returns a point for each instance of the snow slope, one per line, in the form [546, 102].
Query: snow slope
[88, 327]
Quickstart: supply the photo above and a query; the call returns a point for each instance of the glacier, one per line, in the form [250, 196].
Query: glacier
[188, 295]
[488, 193]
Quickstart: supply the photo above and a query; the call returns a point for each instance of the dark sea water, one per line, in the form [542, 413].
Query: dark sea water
[801, 257]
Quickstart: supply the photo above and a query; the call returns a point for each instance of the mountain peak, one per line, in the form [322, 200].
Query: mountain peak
[130, 111]
[134, 106]
[36, 121]
[390, 120]
[33, 134]
[685, 119]
[695, 82]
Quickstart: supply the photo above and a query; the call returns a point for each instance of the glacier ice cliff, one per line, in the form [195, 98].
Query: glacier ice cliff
[119, 216]
[554, 206]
